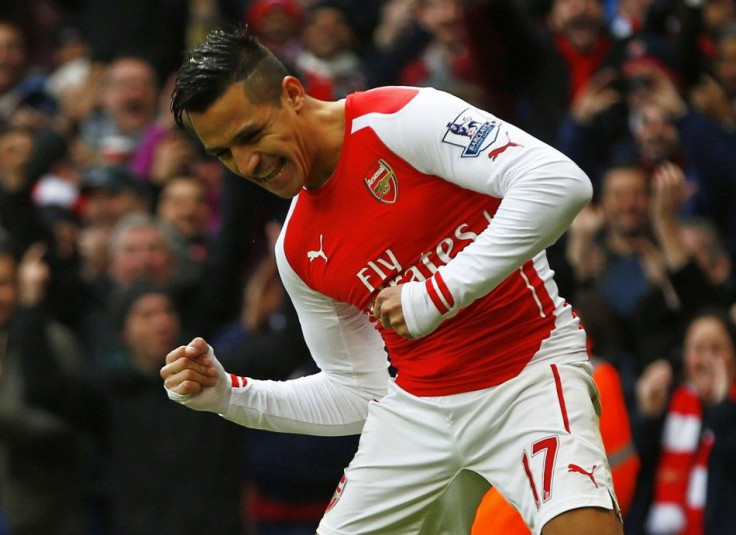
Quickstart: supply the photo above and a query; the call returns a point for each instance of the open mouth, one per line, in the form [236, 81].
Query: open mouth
[272, 172]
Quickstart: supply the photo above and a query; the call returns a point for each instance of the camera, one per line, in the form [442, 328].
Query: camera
[637, 83]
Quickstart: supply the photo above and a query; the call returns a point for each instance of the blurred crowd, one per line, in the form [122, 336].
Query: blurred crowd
[121, 239]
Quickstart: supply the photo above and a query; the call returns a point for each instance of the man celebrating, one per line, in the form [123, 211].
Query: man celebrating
[404, 236]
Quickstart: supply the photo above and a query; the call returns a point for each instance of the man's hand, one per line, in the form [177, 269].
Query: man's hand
[387, 309]
[193, 377]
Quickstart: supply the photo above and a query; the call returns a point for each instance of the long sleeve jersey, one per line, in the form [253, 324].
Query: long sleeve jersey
[457, 206]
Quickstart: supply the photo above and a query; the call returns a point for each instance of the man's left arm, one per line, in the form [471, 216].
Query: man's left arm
[541, 192]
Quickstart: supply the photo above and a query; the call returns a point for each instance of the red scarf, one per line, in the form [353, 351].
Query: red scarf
[581, 65]
[680, 483]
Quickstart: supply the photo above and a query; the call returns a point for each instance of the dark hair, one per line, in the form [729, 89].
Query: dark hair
[222, 59]
[122, 303]
[719, 314]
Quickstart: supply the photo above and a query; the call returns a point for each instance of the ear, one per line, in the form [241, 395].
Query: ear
[293, 92]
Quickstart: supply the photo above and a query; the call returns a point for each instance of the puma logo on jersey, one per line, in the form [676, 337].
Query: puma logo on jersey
[320, 253]
[580, 470]
[495, 153]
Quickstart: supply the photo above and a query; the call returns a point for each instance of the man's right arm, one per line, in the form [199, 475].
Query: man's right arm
[344, 344]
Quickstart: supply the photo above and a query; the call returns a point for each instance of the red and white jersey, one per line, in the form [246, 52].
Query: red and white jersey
[456, 204]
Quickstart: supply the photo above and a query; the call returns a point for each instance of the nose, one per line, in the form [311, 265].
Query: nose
[246, 161]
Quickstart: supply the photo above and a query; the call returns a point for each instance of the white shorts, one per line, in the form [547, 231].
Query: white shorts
[535, 437]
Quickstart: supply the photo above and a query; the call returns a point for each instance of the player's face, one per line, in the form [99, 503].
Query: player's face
[260, 142]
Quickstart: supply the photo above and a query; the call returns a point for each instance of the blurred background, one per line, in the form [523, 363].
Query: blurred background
[121, 239]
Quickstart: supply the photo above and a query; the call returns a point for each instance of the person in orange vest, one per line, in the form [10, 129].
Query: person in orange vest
[496, 515]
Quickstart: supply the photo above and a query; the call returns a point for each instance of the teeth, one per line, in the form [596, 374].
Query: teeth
[271, 173]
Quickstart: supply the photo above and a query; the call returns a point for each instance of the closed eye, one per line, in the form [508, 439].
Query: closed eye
[247, 137]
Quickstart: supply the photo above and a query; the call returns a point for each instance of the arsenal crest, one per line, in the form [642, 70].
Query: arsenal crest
[382, 183]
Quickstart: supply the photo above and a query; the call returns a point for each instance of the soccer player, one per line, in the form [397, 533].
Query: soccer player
[417, 231]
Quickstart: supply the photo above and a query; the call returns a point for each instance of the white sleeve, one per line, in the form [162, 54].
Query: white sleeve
[541, 190]
[351, 357]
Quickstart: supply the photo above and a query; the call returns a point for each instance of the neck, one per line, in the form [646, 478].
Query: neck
[325, 134]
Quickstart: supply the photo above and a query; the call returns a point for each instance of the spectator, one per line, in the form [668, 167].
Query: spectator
[163, 151]
[138, 247]
[695, 266]
[109, 194]
[395, 20]
[597, 128]
[140, 429]
[267, 324]
[278, 25]
[563, 48]
[701, 25]
[650, 397]
[659, 123]
[18, 214]
[184, 209]
[291, 477]
[714, 95]
[42, 481]
[706, 159]
[128, 105]
[329, 63]
[709, 364]
[23, 99]
[650, 268]
[446, 62]
[721, 489]
[605, 242]
[72, 63]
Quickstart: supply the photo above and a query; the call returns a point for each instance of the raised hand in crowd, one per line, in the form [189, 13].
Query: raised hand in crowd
[584, 255]
[171, 156]
[670, 191]
[709, 98]
[264, 292]
[655, 269]
[653, 388]
[33, 276]
[397, 17]
[78, 102]
[657, 88]
[596, 96]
